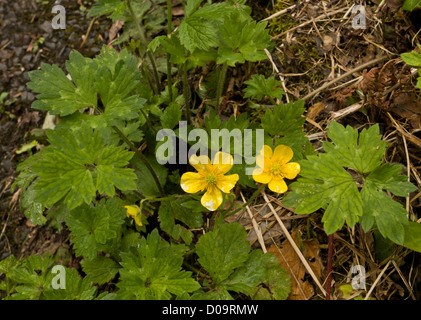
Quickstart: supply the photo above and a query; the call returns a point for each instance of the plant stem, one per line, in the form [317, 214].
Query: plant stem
[148, 78]
[186, 94]
[272, 100]
[142, 158]
[329, 266]
[169, 30]
[143, 40]
[148, 121]
[253, 196]
[198, 272]
[220, 86]
[155, 70]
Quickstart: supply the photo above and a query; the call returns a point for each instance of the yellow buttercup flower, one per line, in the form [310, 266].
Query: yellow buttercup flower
[134, 213]
[274, 167]
[210, 177]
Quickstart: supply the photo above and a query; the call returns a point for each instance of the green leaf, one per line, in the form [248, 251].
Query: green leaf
[92, 227]
[114, 8]
[258, 87]
[283, 120]
[197, 33]
[34, 210]
[278, 280]
[8, 265]
[388, 177]
[76, 164]
[242, 39]
[111, 76]
[248, 276]
[325, 184]
[171, 116]
[384, 247]
[191, 6]
[145, 182]
[412, 239]
[362, 153]
[76, 288]
[389, 215]
[222, 250]
[58, 94]
[410, 5]
[154, 271]
[101, 269]
[412, 58]
[285, 123]
[31, 275]
[170, 212]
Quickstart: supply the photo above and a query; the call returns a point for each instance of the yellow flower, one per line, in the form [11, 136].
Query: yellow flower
[210, 177]
[134, 213]
[275, 166]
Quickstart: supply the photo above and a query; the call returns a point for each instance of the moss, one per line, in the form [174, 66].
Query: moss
[282, 23]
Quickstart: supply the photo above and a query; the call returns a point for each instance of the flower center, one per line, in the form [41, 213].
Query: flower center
[210, 179]
[276, 168]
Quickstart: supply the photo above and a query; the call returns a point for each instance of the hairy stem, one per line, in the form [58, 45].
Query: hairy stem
[144, 42]
[142, 158]
[186, 94]
[219, 88]
[169, 30]
[148, 121]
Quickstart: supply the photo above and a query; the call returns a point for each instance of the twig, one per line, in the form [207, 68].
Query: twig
[294, 246]
[408, 165]
[326, 85]
[87, 33]
[275, 68]
[329, 266]
[255, 226]
[290, 268]
[404, 280]
[377, 280]
[410, 137]
[279, 13]
[308, 22]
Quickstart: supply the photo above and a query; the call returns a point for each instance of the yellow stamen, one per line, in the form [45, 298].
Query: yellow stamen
[210, 179]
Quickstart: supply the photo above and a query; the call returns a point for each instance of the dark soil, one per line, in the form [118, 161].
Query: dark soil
[27, 40]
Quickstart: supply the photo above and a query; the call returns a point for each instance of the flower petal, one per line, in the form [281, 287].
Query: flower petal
[212, 198]
[266, 151]
[192, 182]
[263, 161]
[131, 211]
[290, 170]
[138, 220]
[282, 154]
[226, 183]
[278, 185]
[200, 163]
[223, 162]
[261, 176]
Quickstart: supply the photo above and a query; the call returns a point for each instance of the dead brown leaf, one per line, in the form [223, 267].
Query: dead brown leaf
[315, 110]
[115, 28]
[301, 289]
[408, 108]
